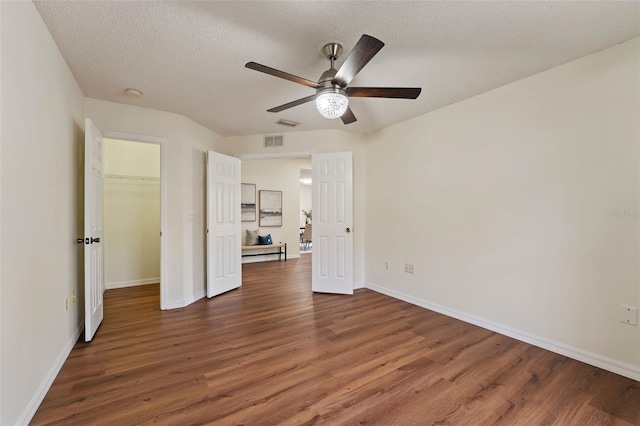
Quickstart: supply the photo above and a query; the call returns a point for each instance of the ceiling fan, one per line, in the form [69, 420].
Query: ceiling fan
[332, 89]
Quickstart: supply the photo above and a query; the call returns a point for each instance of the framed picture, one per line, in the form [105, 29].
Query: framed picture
[248, 202]
[270, 208]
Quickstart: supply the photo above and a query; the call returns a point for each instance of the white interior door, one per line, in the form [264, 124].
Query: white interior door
[332, 236]
[224, 246]
[93, 253]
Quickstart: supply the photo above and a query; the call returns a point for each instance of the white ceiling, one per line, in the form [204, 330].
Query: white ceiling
[188, 57]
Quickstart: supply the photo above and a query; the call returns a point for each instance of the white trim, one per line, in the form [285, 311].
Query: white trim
[609, 364]
[275, 155]
[358, 285]
[164, 284]
[36, 400]
[133, 283]
[133, 137]
[174, 304]
[199, 295]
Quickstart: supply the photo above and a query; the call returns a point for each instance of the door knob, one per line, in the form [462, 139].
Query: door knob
[348, 230]
[95, 240]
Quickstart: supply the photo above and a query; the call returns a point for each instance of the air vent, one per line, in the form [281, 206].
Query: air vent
[289, 123]
[273, 141]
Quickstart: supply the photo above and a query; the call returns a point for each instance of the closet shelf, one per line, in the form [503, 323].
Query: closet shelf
[132, 177]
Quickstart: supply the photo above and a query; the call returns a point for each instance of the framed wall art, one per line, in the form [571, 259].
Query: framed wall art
[248, 202]
[270, 208]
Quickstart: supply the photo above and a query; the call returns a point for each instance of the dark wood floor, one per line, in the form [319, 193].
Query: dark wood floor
[274, 353]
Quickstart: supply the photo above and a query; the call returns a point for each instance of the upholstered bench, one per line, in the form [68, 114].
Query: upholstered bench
[278, 246]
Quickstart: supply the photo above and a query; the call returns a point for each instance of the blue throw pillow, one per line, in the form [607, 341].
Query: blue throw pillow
[265, 241]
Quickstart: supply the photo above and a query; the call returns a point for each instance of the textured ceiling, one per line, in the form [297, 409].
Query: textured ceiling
[188, 57]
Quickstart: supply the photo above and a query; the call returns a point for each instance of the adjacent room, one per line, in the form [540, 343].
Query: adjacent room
[284, 212]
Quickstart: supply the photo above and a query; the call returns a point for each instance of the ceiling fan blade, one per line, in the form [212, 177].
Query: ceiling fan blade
[384, 92]
[292, 104]
[365, 49]
[277, 73]
[348, 117]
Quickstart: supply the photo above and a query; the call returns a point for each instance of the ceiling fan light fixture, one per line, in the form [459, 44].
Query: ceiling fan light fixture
[332, 103]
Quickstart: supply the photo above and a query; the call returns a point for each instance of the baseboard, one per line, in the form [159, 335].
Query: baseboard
[134, 283]
[587, 357]
[174, 304]
[199, 295]
[35, 402]
[358, 285]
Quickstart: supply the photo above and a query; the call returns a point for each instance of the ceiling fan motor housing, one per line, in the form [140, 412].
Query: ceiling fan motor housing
[326, 84]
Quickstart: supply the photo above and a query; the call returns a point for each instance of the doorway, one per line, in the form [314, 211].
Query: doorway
[134, 188]
[282, 177]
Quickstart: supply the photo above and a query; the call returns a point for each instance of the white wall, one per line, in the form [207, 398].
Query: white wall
[186, 146]
[41, 190]
[500, 202]
[277, 175]
[128, 158]
[131, 213]
[321, 141]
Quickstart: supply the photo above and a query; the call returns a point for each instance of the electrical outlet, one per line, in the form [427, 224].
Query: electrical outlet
[387, 265]
[408, 268]
[629, 315]
[73, 296]
[66, 304]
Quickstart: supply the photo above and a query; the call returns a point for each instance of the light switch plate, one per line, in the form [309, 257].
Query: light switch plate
[629, 315]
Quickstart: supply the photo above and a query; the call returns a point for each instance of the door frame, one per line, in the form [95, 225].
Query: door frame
[164, 290]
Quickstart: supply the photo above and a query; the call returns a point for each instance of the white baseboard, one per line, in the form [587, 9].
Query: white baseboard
[35, 402]
[174, 304]
[133, 283]
[358, 285]
[199, 295]
[181, 303]
[609, 364]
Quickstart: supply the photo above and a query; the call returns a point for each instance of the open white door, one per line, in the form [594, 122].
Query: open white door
[93, 253]
[224, 246]
[332, 264]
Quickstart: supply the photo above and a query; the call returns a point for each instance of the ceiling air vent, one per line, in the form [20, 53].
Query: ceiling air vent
[273, 141]
[289, 123]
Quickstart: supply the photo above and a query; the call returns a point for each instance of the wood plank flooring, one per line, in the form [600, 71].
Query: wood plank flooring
[273, 353]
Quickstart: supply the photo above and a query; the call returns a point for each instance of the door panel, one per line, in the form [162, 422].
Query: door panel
[93, 253]
[224, 271]
[332, 264]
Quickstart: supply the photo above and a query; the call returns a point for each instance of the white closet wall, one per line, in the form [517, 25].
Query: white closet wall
[131, 213]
